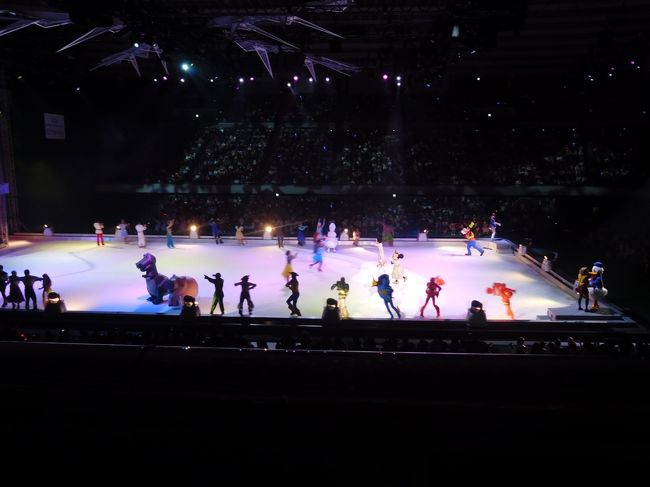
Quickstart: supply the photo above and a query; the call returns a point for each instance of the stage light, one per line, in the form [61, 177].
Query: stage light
[196, 115]
[345, 230]
[399, 78]
[155, 80]
[193, 228]
[478, 78]
[455, 31]
[194, 231]
[251, 78]
[211, 80]
[241, 80]
[78, 88]
[182, 80]
[399, 83]
[295, 78]
[47, 231]
[327, 79]
[426, 231]
[185, 67]
[135, 44]
[268, 228]
[384, 77]
[277, 194]
[164, 78]
[288, 85]
[394, 195]
[489, 114]
[632, 62]
[311, 80]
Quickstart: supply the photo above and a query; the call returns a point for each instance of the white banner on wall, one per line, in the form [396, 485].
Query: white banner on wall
[54, 126]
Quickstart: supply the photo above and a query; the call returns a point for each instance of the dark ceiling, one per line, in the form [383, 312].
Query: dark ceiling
[510, 37]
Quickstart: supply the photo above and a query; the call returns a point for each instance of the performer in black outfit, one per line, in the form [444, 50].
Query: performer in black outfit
[292, 302]
[217, 297]
[4, 279]
[246, 286]
[29, 281]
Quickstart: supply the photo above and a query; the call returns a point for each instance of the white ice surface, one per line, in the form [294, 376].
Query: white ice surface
[91, 278]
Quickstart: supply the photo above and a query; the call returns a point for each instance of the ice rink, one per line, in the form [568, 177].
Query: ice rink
[105, 279]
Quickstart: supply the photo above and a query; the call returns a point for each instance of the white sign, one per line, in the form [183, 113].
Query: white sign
[54, 126]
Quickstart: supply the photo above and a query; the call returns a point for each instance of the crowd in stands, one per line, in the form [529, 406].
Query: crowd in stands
[314, 141]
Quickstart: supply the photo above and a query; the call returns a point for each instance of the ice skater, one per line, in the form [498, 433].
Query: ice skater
[46, 286]
[239, 234]
[288, 268]
[170, 236]
[124, 230]
[28, 283]
[386, 293]
[342, 288]
[398, 267]
[217, 297]
[216, 231]
[4, 279]
[381, 259]
[245, 295]
[140, 229]
[318, 257]
[493, 225]
[597, 289]
[301, 234]
[99, 232]
[292, 302]
[15, 296]
[582, 288]
[279, 234]
[434, 286]
[500, 289]
[471, 240]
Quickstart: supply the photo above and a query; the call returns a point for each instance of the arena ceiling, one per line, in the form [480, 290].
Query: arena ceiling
[435, 37]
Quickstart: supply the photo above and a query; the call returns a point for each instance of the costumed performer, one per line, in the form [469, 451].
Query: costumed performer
[288, 268]
[217, 297]
[292, 301]
[245, 295]
[342, 288]
[434, 286]
[386, 293]
[597, 289]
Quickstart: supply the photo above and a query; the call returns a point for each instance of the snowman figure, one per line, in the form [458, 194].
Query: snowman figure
[331, 242]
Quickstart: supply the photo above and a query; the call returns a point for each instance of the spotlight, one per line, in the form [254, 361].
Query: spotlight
[211, 80]
[164, 78]
[155, 80]
[241, 80]
[489, 114]
[268, 228]
[251, 78]
[394, 195]
[288, 85]
[311, 80]
[185, 67]
[327, 79]
[399, 83]
[295, 77]
[277, 194]
[196, 115]
[399, 78]
[135, 44]
[478, 78]
[193, 228]
[78, 88]
[182, 80]
[384, 77]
